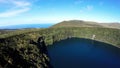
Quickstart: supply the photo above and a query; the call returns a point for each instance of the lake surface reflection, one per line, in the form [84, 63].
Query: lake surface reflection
[83, 53]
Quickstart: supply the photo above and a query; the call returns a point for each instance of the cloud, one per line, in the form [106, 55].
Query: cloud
[16, 7]
[78, 2]
[14, 12]
[21, 3]
[87, 8]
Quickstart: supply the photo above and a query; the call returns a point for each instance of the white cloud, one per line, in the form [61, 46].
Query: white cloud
[17, 7]
[21, 3]
[78, 2]
[87, 8]
[13, 13]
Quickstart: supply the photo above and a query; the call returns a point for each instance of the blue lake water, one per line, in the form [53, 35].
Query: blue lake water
[83, 53]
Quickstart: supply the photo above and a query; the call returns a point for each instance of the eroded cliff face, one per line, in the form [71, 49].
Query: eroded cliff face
[32, 55]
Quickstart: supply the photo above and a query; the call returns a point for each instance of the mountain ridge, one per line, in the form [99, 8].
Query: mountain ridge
[81, 23]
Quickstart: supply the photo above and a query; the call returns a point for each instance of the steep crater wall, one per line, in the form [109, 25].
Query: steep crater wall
[20, 44]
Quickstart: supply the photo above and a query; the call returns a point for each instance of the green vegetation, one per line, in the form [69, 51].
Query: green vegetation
[7, 33]
[18, 40]
[51, 35]
[19, 52]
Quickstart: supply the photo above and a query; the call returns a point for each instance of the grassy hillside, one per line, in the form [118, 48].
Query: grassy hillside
[19, 40]
[80, 23]
[8, 33]
[77, 23]
[111, 25]
[51, 35]
[4, 31]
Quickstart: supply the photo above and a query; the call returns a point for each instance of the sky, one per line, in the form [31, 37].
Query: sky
[14, 12]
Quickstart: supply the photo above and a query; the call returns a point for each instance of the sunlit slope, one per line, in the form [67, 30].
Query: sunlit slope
[111, 25]
[77, 23]
[81, 23]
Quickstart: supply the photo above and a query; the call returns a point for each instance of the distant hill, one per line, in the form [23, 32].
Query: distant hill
[77, 23]
[111, 25]
[80, 23]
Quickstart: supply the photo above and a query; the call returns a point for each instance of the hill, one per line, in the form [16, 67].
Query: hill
[111, 25]
[80, 23]
[77, 23]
